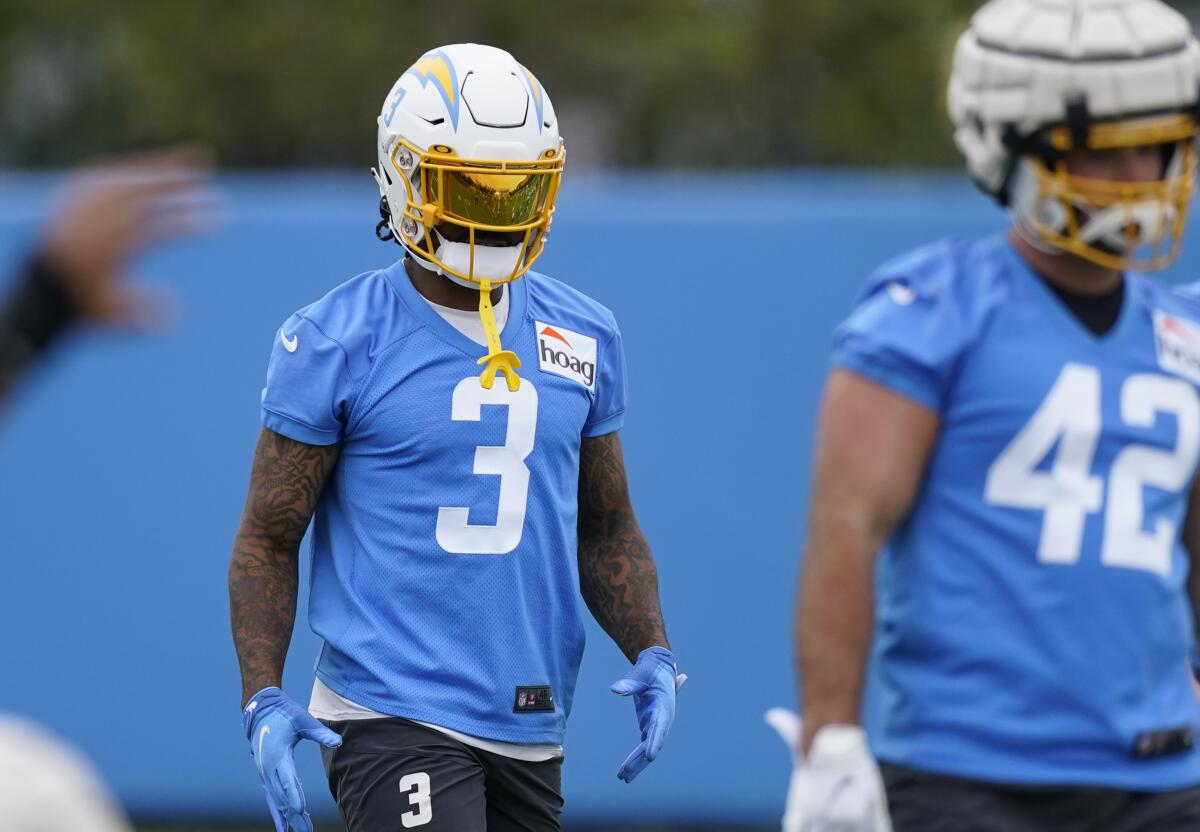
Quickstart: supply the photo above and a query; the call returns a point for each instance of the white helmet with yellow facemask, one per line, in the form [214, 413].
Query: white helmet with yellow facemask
[470, 160]
[1034, 80]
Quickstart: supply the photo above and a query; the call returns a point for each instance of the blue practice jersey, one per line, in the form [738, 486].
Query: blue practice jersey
[444, 576]
[1032, 622]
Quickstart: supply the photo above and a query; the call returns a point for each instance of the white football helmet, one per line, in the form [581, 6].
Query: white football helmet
[469, 143]
[1036, 79]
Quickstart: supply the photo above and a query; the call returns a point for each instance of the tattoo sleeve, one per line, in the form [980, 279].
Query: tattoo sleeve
[617, 576]
[286, 480]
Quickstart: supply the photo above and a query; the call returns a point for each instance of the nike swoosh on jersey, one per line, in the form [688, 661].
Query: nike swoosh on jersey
[291, 345]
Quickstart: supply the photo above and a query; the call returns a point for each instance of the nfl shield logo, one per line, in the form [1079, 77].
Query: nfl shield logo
[521, 700]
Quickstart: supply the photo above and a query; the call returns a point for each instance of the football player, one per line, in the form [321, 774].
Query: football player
[1013, 423]
[460, 512]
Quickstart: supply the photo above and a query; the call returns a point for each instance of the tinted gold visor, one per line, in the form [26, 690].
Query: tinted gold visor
[515, 197]
[487, 194]
[490, 198]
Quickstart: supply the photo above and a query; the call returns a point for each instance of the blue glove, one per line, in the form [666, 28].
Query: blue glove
[653, 683]
[274, 724]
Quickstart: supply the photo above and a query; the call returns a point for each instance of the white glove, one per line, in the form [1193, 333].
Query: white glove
[838, 788]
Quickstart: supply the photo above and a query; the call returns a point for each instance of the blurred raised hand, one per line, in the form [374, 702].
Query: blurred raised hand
[108, 213]
[112, 211]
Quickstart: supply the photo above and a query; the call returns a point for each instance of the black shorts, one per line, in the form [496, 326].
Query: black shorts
[923, 802]
[393, 774]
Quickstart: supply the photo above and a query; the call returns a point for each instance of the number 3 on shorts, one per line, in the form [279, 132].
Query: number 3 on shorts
[416, 786]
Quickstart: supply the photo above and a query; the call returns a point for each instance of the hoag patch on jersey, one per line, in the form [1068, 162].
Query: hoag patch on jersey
[566, 353]
[1177, 343]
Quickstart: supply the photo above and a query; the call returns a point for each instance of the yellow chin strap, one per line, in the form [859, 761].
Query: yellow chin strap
[497, 360]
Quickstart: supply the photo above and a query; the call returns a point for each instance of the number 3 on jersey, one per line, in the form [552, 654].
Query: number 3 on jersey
[455, 533]
[1066, 493]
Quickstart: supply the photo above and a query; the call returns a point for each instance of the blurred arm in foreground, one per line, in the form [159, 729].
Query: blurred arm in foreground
[111, 212]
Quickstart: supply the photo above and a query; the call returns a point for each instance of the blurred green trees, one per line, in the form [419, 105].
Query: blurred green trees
[677, 83]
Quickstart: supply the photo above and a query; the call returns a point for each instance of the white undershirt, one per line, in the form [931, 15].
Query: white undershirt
[467, 321]
[327, 705]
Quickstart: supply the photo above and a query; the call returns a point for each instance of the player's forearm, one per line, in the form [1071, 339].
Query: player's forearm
[834, 621]
[263, 586]
[619, 583]
[286, 480]
[617, 576]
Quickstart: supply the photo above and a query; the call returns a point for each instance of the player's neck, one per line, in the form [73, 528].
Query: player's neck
[1066, 271]
[438, 289]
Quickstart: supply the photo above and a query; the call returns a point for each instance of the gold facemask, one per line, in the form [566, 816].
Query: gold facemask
[1145, 220]
[477, 195]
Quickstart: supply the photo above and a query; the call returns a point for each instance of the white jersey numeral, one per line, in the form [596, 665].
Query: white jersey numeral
[1069, 418]
[418, 785]
[454, 533]
[1125, 543]
[1067, 493]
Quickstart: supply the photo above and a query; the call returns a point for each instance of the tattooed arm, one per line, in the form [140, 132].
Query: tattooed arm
[286, 480]
[616, 570]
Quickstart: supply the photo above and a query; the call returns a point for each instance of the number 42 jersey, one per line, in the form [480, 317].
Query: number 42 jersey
[444, 578]
[1032, 624]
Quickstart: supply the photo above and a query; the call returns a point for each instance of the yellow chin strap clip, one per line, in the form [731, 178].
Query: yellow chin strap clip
[497, 360]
